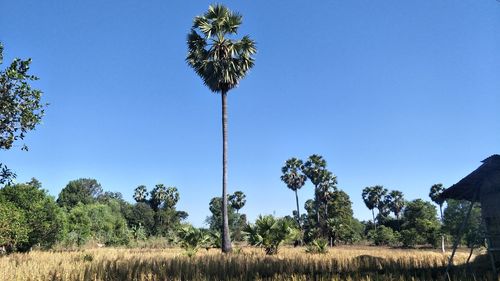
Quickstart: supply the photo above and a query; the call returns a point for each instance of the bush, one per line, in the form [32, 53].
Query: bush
[383, 236]
[191, 239]
[318, 246]
[410, 238]
[270, 232]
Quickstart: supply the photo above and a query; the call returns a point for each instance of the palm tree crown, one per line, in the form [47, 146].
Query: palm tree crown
[292, 175]
[220, 61]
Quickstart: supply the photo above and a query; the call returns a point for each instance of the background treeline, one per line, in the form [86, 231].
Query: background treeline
[84, 214]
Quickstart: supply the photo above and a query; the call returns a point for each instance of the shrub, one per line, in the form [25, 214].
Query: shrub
[383, 236]
[318, 246]
[269, 233]
[411, 238]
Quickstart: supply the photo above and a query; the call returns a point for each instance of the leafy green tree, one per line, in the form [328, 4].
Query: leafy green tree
[142, 214]
[85, 191]
[161, 205]
[221, 62]
[341, 226]
[79, 225]
[44, 219]
[21, 108]
[383, 236]
[373, 197]
[269, 233]
[453, 217]
[236, 220]
[294, 179]
[107, 226]
[421, 216]
[13, 227]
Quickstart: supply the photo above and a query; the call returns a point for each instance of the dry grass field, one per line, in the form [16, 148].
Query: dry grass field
[340, 263]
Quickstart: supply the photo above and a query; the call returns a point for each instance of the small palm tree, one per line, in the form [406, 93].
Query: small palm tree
[294, 179]
[221, 62]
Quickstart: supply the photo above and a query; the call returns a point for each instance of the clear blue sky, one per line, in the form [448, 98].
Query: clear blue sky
[399, 93]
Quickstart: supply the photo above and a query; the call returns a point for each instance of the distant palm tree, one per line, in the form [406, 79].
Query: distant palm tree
[373, 196]
[140, 193]
[237, 200]
[435, 195]
[315, 169]
[396, 204]
[294, 179]
[171, 197]
[221, 62]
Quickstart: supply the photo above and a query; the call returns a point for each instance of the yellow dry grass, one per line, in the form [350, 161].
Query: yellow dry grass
[340, 263]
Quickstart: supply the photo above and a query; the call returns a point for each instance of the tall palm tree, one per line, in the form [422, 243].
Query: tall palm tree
[396, 203]
[221, 62]
[435, 195]
[315, 169]
[373, 196]
[294, 179]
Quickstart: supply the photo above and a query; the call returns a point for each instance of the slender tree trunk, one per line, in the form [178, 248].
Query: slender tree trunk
[298, 210]
[373, 215]
[399, 223]
[226, 239]
[316, 203]
[442, 235]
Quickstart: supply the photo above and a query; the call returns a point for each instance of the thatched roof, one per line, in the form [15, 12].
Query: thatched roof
[468, 188]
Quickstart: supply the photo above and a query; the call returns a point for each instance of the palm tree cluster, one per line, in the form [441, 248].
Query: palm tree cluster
[329, 214]
[161, 200]
[378, 197]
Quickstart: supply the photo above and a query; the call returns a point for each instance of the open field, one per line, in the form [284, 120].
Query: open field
[341, 263]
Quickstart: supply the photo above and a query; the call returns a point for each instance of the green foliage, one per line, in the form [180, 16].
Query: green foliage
[455, 213]
[317, 246]
[192, 239]
[236, 221]
[269, 233]
[21, 108]
[383, 236]
[410, 238]
[85, 191]
[142, 214]
[98, 222]
[157, 213]
[422, 216]
[237, 200]
[217, 58]
[13, 228]
[44, 219]
[78, 226]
